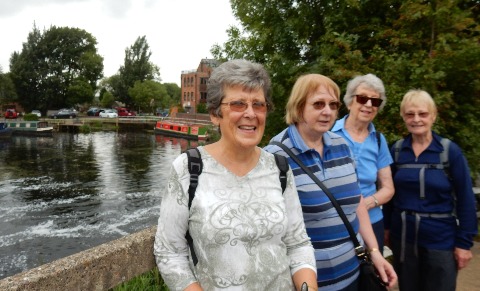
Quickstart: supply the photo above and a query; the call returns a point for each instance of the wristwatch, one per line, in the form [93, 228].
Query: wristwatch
[375, 200]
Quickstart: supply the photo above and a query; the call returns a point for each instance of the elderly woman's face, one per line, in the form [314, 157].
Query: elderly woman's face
[319, 113]
[363, 108]
[418, 119]
[244, 114]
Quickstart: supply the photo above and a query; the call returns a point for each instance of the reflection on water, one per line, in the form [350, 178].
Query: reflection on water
[64, 194]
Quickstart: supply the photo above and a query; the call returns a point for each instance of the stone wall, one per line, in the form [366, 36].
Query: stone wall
[99, 268]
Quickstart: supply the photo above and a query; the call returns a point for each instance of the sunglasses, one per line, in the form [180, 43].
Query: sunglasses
[319, 105]
[240, 106]
[362, 99]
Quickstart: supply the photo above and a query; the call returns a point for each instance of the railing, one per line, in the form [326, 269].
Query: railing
[99, 268]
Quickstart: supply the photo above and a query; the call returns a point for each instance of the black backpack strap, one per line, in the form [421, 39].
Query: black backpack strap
[282, 164]
[195, 167]
[397, 147]
[379, 141]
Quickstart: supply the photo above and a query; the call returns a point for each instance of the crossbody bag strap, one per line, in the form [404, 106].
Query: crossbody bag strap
[359, 249]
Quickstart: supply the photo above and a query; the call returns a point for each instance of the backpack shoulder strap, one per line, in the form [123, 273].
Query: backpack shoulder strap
[195, 167]
[444, 154]
[397, 147]
[282, 164]
[379, 140]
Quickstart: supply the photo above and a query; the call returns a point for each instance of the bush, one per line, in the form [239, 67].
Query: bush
[30, 117]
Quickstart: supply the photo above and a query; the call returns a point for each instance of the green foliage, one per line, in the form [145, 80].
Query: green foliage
[145, 282]
[174, 92]
[201, 108]
[30, 117]
[136, 67]
[107, 99]
[85, 128]
[7, 89]
[149, 95]
[57, 68]
[430, 45]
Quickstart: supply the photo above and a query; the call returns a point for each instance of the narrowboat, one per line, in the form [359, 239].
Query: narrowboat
[30, 128]
[187, 131]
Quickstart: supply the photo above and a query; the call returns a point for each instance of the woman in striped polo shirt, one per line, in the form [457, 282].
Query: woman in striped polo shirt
[311, 111]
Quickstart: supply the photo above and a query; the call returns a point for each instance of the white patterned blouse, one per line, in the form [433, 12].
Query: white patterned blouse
[247, 234]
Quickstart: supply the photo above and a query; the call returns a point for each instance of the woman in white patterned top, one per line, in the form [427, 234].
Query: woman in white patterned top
[247, 234]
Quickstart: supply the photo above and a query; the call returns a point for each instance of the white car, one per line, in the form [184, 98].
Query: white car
[37, 112]
[110, 113]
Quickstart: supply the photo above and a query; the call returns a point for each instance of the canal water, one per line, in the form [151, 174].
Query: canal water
[64, 194]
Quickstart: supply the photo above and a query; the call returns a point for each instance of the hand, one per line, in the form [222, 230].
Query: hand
[462, 257]
[384, 269]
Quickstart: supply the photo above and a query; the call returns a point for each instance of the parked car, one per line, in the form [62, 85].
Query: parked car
[93, 111]
[122, 111]
[64, 113]
[11, 113]
[110, 113]
[37, 113]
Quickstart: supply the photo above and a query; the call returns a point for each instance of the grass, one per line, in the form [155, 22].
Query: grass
[150, 281]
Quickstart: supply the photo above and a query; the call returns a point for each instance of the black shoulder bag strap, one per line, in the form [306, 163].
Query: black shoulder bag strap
[359, 249]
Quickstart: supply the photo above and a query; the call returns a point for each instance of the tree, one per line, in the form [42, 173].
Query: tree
[431, 45]
[57, 68]
[148, 95]
[7, 89]
[107, 99]
[174, 92]
[136, 67]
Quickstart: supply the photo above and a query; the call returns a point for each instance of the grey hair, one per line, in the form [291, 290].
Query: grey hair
[369, 81]
[249, 75]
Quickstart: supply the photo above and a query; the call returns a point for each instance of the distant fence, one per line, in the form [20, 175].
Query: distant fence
[99, 268]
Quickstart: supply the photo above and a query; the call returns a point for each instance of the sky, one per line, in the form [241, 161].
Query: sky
[179, 32]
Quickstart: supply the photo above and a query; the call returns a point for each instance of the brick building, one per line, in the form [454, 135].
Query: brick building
[194, 84]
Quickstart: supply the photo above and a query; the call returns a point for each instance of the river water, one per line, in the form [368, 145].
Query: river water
[63, 194]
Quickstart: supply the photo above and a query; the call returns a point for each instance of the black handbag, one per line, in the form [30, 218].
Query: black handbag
[368, 280]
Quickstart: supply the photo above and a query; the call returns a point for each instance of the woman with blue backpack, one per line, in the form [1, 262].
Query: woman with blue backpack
[432, 218]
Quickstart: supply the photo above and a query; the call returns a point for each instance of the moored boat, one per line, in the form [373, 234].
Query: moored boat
[30, 128]
[5, 131]
[187, 131]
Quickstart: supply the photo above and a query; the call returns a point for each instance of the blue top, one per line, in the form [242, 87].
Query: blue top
[369, 158]
[433, 233]
[337, 265]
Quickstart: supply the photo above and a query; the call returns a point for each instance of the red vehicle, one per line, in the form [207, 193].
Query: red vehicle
[122, 111]
[11, 114]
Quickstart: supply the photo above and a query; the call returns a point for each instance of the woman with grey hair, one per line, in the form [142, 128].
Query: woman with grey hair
[364, 98]
[248, 232]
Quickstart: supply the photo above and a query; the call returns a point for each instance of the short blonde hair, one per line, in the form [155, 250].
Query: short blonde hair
[418, 97]
[305, 86]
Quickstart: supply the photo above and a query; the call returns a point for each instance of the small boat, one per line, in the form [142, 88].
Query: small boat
[5, 131]
[187, 131]
[30, 128]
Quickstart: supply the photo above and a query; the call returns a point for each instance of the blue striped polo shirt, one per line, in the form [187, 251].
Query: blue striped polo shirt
[337, 265]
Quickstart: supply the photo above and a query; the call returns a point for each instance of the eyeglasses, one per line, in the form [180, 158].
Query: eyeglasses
[362, 99]
[240, 106]
[319, 105]
[411, 115]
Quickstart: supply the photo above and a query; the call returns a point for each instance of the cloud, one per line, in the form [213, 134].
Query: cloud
[179, 32]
